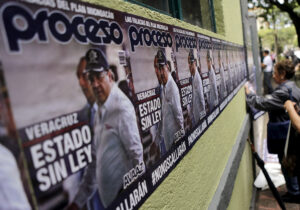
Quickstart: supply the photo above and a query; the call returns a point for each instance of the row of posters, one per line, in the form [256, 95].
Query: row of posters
[105, 104]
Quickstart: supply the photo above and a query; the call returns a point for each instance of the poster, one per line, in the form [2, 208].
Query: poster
[107, 103]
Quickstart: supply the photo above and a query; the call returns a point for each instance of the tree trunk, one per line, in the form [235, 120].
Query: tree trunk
[296, 21]
[297, 26]
[276, 44]
[275, 32]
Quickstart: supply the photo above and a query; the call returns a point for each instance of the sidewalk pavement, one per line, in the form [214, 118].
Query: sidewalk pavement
[266, 201]
[264, 198]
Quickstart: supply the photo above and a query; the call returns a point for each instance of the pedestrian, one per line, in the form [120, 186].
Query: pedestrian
[292, 156]
[267, 66]
[278, 118]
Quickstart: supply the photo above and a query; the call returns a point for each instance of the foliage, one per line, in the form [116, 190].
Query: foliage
[291, 7]
[286, 37]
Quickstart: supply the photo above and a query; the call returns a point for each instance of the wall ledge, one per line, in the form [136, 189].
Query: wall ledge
[223, 193]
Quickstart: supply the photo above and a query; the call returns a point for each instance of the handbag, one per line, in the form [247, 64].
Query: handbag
[277, 132]
[289, 160]
[276, 136]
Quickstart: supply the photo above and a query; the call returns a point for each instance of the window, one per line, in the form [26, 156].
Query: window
[191, 12]
[208, 18]
[158, 5]
[196, 12]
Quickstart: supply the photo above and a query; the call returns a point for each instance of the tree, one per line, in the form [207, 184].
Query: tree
[291, 7]
[286, 36]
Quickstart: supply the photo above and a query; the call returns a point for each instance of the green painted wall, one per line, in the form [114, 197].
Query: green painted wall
[192, 184]
[233, 21]
[228, 19]
[242, 191]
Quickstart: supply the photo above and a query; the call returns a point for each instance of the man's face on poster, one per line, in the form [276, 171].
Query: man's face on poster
[192, 67]
[84, 83]
[101, 83]
[157, 72]
[163, 70]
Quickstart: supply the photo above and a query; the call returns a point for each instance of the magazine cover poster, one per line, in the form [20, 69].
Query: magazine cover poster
[190, 82]
[243, 63]
[232, 63]
[207, 73]
[219, 70]
[62, 64]
[225, 66]
[229, 66]
[239, 64]
[154, 75]
[236, 64]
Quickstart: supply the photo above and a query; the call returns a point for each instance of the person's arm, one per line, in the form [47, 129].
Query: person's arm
[275, 102]
[129, 135]
[247, 89]
[295, 118]
[176, 107]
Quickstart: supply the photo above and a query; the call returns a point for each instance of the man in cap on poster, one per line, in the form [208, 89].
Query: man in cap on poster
[223, 89]
[87, 113]
[117, 146]
[198, 102]
[227, 69]
[213, 99]
[172, 118]
[156, 130]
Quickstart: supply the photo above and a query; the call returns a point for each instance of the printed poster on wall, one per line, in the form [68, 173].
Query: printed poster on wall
[105, 104]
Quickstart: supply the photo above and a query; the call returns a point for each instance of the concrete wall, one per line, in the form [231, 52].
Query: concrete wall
[198, 179]
[242, 191]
